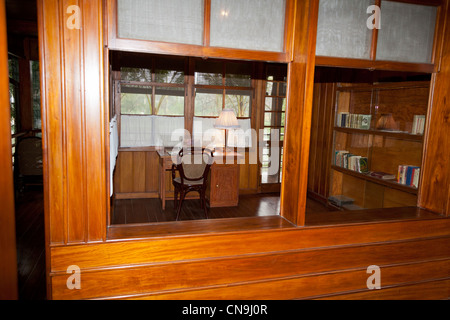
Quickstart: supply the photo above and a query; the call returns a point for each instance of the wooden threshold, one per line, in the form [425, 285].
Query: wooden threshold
[195, 227]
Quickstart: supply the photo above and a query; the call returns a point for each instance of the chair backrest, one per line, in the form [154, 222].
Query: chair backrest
[194, 163]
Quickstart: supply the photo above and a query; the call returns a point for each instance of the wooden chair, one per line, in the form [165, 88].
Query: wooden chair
[193, 165]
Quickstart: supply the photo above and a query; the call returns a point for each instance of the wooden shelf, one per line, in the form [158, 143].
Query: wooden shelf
[390, 134]
[388, 183]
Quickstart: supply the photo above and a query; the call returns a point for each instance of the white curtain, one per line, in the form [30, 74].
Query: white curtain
[150, 131]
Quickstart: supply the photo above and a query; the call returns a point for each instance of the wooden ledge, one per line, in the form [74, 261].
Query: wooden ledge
[196, 227]
[335, 218]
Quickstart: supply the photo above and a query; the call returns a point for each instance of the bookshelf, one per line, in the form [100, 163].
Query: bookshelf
[378, 130]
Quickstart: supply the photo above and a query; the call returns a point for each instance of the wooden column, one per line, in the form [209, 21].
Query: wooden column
[435, 181]
[298, 112]
[8, 260]
[74, 120]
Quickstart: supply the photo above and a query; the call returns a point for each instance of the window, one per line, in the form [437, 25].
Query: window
[152, 103]
[13, 64]
[273, 124]
[222, 85]
[36, 95]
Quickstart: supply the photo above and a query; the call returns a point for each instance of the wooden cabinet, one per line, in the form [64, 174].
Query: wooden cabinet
[223, 190]
[378, 143]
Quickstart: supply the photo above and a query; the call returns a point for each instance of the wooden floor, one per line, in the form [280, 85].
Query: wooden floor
[30, 235]
[132, 211]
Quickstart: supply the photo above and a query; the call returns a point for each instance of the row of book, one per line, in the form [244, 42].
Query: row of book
[408, 175]
[418, 125]
[353, 120]
[351, 161]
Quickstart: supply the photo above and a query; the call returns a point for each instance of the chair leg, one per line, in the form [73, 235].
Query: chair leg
[180, 203]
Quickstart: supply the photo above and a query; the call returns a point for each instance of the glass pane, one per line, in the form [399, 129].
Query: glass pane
[239, 101]
[169, 70]
[136, 99]
[179, 21]
[169, 101]
[407, 32]
[208, 103]
[36, 94]
[136, 74]
[342, 30]
[238, 74]
[13, 106]
[270, 88]
[208, 73]
[13, 66]
[250, 24]
[268, 104]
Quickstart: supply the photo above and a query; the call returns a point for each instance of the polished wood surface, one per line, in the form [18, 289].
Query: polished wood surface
[281, 262]
[298, 112]
[132, 211]
[320, 154]
[8, 262]
[238, 262]
[435, 186]
[74, 122]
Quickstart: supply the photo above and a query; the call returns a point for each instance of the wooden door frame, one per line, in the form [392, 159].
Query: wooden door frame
[8, 261]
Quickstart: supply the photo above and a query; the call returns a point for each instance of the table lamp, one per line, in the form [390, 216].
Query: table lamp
[227, 120]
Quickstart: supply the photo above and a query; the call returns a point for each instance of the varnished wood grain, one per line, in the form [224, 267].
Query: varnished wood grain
[435, 176]
[73, 122]
[298, 112]
[8, 264]
[162, 277]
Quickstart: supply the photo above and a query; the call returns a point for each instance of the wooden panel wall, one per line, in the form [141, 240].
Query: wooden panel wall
[297, 263]
[137, 175]
[435, 180]
[321, 144]
[8, 261]
[73, 114]
[298, 112]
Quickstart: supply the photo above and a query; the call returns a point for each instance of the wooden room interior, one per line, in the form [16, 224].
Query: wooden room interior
[340, 139]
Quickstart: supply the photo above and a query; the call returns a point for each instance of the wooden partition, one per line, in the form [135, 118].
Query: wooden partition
[8, 263]
[326, 256]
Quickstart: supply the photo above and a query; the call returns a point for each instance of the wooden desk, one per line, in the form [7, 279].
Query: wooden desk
[223, 187]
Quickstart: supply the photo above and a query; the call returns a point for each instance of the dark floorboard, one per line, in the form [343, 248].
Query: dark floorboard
[131, 211]
[30, 235]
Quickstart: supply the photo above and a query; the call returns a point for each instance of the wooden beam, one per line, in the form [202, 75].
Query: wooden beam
[8, 261]
[434, 191]
[298, 112]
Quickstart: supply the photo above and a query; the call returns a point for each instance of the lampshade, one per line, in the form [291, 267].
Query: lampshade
[227, 120]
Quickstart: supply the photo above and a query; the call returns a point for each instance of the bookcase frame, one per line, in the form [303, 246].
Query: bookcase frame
[384, 149]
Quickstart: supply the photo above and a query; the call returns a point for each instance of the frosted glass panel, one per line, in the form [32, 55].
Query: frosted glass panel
[342, 29]
[407, 32]
[179, 21]
[249, 24]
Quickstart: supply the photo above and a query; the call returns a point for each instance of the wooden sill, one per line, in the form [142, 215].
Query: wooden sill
[267, 223]
[366, 216]
[196, 227]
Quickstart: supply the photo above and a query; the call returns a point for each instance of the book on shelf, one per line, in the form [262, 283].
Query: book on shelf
[353, 120]
[418, 125]
[408, 175]
[347, 160]
[382, 175]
